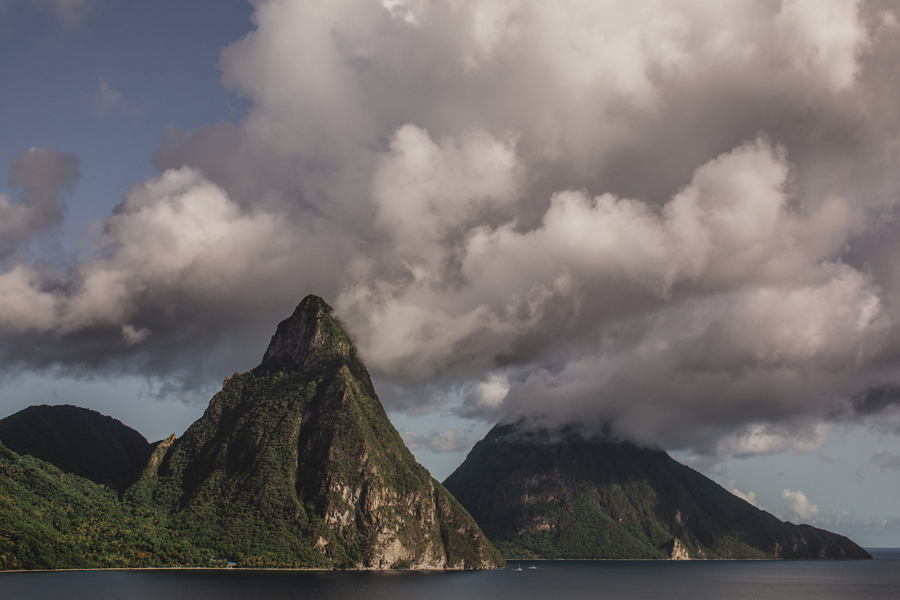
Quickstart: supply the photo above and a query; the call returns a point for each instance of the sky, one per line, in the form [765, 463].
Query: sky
[671, 223]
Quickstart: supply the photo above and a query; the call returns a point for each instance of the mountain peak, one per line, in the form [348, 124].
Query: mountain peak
[540, 493]
[310, 339]
[297, 464]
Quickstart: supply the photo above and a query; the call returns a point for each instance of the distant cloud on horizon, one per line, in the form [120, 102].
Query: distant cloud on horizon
[799, 505]
[448, 440]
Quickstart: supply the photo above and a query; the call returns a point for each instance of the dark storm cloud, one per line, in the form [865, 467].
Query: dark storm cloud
[875, 400]
[668, 222]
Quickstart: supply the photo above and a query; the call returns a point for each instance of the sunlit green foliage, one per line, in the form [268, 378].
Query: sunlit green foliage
[50, 519]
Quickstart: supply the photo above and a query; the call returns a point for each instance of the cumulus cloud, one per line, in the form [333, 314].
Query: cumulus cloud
[178, 231]
[746, 496]
[674, 223]
[486, 396]
[180, 266]
[799, 505]
[448, 440]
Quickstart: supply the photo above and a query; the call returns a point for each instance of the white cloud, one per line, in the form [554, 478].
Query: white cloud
[178, 232]
[425, 193]
[799, 505]
[749, 497]
[737, 293]
[448, 440]
[828, 37]
[23, 306]
[665, 220]
[487, 395]
[762, 439]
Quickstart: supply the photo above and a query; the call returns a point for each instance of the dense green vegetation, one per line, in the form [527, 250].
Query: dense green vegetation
[228, 483]
[50, 519]
[538, 495]
[294, 464]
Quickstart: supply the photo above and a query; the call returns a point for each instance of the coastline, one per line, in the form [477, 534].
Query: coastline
[507, 568]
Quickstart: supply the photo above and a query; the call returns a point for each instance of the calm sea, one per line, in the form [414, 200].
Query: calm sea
[550, 580]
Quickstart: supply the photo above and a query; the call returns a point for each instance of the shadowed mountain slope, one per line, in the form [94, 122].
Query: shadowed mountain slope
[78, 441]
[296, 464]
[538, 494]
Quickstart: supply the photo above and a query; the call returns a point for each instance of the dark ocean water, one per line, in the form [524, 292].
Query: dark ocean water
[551, 580]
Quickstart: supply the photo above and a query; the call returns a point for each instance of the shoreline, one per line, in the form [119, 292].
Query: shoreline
[507, 567]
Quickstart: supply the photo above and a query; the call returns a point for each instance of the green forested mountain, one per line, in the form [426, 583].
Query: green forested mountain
[50, 519]
[293, 464]
[296, 464]
[538, 494]
[78, 441]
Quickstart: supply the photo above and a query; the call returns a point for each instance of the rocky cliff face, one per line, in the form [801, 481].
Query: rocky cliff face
[297, 464]
[558, 495]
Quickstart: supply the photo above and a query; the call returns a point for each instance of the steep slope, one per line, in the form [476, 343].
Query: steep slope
[558, 495]
[50, 519]
[78, 441]
[296, 464]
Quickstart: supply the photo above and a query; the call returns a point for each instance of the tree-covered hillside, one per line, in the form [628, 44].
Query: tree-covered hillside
[50, 519]
[297, 464]
[543, 494]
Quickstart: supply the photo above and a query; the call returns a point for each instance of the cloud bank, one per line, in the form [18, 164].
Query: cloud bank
[799, 505]
[674, 223]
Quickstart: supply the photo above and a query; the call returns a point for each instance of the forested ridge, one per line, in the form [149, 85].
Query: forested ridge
[293, 464]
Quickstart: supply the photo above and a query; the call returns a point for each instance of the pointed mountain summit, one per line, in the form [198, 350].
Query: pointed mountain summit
[543, 494]
[310, 340]
[297, 464]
